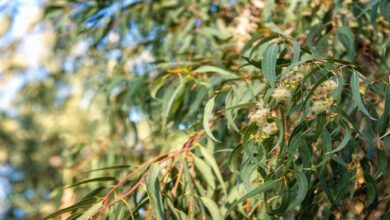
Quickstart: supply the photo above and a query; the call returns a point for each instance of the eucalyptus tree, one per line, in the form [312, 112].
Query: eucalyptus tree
[224, 109]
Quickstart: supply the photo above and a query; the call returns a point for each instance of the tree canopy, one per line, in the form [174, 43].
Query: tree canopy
[200, 109]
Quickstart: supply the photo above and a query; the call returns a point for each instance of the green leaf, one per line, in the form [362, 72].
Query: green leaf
[208, 112]
[269, 63]
[374, 16]
[179, 215]
[98, 179]
[167, 106]
[229, 113]
[91, 211]
[263, 41]
[339, 61]
[356, 95]
[368, 7]
[385, 9]
[285, 195]
[316, 85]
[347, 38]
[156, 85]
[213, 69]
[110, 168]
[302, 187]
[212, 207]
[211, 161]
[153, 189]
[344, 116]
[255, 192]
[325, 186]
[326, 141]
[244, 105]
[94, 192]
[383, 123]
[234, 158]
[82, 204]
[205, 171]
[280, 140]
[297, 53]
[250, 42]
[346, 138]
[372, 190]
[339, 161]
[294, 144]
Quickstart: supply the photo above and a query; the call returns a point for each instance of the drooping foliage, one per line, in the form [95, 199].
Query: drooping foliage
[204, 109]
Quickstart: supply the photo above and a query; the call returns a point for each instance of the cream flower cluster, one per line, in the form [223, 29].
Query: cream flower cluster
[260, 117]
[322, 99]
[284, 90]
[245, 25]
[282, 94]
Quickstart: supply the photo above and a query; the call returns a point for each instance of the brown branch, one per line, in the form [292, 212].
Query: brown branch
[132, 189]
[190, 208]
[185, 148]
[174, 190]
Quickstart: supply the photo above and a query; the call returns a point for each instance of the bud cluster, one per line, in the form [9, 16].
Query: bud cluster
[260, 117]
[322, 100]
[283, 92]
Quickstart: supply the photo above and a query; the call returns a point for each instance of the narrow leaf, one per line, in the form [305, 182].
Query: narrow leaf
[372, 190]
[385, 118]
[168, 106]
[243, 105]
[356, 95]
[208, 112]
[81, 204]
[212, 207]
[255, 192]
[346, 138]
[205, 171]
[347, 39]
[368, 7]
[110, 168]
[302, 187]
[91, 211]
[213, 69]
[211, 161]
[297, 53]
[98, 179]
[263, 41]
[153, 189]
[269, 63]
[234, 158]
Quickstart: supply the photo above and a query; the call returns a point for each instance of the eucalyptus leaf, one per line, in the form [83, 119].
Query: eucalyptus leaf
[356, 95]
[269, 63]
[208, 112]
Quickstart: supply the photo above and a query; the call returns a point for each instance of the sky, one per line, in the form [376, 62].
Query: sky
[25, 12]
[32, 50]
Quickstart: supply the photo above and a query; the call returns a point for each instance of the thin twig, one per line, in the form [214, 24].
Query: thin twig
[160, 158]
[174, 190]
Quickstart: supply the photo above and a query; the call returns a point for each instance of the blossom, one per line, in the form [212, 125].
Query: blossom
[269, 129]
[292, 80]
[281, 93]
[322, 105]
[325, 88]
[258, 4]
[297, 77]
[330, 85]
[245, 25]
[259, 115]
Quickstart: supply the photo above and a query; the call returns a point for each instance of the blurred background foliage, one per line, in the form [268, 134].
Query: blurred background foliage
[95, 89]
